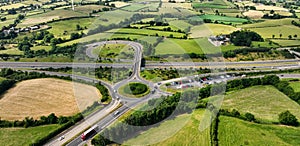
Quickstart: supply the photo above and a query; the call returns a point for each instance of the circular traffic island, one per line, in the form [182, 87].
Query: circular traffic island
[134, 89]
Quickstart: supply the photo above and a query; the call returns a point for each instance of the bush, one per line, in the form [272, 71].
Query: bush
[249, 117]
[288, 118]
[135, 88]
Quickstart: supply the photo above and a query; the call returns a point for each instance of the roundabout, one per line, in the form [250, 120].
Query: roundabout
[134, 90]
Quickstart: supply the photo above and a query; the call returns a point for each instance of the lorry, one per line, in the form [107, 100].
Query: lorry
[91, 131]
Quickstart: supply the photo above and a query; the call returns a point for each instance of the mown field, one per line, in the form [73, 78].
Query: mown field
[146, 32]
[287, 42]
[209, 29]
[102, 36]
[285, 30]
[24, 136]
[176, 46]
[40, 97]
[265, 102]
[171, 132]
[224, 19]
[134, 7]
[233, 131]
[295, 86]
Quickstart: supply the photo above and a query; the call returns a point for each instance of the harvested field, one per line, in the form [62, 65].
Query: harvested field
[40, 97]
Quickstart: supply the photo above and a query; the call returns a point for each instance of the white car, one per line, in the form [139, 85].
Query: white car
[116, 113]
[61, 138]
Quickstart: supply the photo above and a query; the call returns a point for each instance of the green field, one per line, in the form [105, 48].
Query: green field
[170, 132]
[295, 86]
[13, 51]
[111, 17]
[146, 32]
[264, 44]
[286, 43]
[10, 6]
[233, 131]
[269, 23]
[86, 9]
[265, 102]
[285, 30]
[134, 7]
[224, 19]
[180, 24]
[63, 29]
[176, 46]
[103, 36]
[49, 16]
[114, 51]
[24, 136]
[208, 29]
[46, 48]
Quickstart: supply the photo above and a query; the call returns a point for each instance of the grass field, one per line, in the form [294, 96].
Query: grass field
[146, 32]
[99, 36]
[40, 97]
[176, 46]
[295, 86]
[224, 19]
[269, 23]
[209, 5]
[46, 48]
[63, 29]
[10, 6]
[13, 51]
[287, 42]
[134, 7]
[114, 51]
[233, 131]
[86, 9]
[180, 24]
[24, 136]
[170, 132]
[209, 29]
[285, 30]
[48, 16]
[111, 17]
[265, 102]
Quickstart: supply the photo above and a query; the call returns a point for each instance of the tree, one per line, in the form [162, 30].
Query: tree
[272, 12]
[288, 118]
[295, 36]
[273, 36]
[249, 117]
[280, 35]
[78, 27]
[290, 36]
[244, 37]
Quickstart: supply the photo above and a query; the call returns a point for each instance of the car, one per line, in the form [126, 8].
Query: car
[159, 83]
[61, 138]
[115, 91]
[116, 113]
[117, 97]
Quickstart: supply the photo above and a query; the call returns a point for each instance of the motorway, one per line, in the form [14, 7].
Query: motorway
[241, 64]
[102, 118]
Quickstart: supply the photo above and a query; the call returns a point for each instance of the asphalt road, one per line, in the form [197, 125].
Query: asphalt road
[242, 64]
